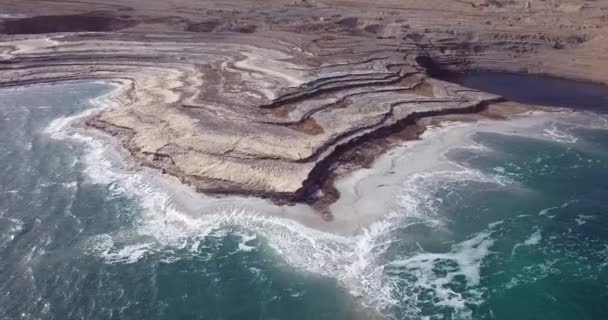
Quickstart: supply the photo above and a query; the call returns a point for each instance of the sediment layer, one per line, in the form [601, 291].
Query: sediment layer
[266, 98]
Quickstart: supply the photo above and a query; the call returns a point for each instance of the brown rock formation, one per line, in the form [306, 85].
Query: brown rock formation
[265, 98]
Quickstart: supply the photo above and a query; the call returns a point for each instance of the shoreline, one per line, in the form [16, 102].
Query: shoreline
[176, 221]
[319, 180]
[268, 111]
[180, 195]
[349, 248]
[366, 193]
[320, 190]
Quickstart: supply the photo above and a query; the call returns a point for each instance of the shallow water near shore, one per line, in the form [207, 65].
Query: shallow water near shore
[508, 226]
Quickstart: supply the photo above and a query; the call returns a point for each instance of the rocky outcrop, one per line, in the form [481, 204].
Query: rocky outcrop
[268, 99]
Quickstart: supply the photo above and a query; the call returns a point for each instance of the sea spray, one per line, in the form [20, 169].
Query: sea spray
[410, 284]
[356, 262]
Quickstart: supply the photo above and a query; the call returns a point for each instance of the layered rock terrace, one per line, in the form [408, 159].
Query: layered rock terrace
[266, 98]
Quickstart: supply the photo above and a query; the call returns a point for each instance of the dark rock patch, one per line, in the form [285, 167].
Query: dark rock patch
[350, 22]
[205, 26]
[66, 23]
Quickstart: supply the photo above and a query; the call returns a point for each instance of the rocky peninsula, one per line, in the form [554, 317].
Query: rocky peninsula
[276, 98]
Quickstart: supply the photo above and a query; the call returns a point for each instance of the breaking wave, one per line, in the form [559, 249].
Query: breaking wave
[399, 287]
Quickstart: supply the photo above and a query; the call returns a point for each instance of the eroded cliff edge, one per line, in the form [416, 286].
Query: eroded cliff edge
[267, 98]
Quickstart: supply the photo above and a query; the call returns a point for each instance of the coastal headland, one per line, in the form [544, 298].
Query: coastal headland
[276, 99]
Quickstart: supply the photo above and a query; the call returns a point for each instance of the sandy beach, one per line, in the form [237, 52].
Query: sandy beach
[367, 196]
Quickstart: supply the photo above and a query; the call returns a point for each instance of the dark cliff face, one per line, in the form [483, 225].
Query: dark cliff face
[94, 22]
[432, 68]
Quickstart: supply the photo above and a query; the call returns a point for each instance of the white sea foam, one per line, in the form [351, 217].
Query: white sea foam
[127, 254]
[558, 135]
[534, 239]
[418, 196]
[533, 273]
[475, 146]
[604, 254]
[548, 210]
[581, 219]
[15, 226]
[556, 127]
[245, 243]
[436, 273]
[357, 262]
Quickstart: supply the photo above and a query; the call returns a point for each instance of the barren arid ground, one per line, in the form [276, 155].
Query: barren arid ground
[276, 98]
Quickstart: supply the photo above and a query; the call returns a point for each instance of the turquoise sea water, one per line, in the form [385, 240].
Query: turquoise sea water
[517, 229]
[533, 244]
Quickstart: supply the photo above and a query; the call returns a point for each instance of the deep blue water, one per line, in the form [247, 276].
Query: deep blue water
[518, 230]
[537, 89]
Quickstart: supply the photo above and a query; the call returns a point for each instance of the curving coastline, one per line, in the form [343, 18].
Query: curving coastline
[248, 102]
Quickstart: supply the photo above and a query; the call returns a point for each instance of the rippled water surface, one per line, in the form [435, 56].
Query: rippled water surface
[516, 229]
